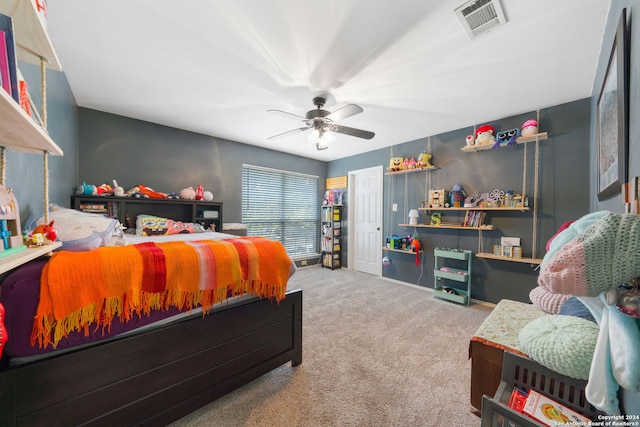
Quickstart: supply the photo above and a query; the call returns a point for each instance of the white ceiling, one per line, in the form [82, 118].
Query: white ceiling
[215, 67]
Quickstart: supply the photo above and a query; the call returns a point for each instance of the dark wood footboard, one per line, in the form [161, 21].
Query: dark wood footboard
[157, 376]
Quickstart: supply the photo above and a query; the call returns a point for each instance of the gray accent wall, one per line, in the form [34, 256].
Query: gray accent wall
[563, 195]
[166, 159]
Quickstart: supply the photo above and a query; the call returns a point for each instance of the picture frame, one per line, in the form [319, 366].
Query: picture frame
[612, 117]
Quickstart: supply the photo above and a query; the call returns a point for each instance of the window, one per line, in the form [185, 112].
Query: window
[281, 205]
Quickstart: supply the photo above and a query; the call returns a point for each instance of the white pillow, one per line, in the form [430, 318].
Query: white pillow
[80, 231]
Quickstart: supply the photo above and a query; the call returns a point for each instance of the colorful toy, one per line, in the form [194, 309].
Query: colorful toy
[395, 164]
[457, 196]
[470, 140]
[47, 230]
[530, 127]
[3, 332]
[485, 135]
[405, 164]
[415, 247]
[436, 198]
[85, 189]
[412, 163]
[436, 219]
[424, 160]
[507, 138]
[199, 192]
[104, 190]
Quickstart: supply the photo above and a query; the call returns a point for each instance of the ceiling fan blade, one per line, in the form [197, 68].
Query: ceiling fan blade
[288, 132]
[344, 112]
[352, 131]
[287, 115]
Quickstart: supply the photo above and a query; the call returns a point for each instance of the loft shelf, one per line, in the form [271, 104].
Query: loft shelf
[16, 260]
[454, 227]
[406, 171]
[521, 140]
[20, 133]
[32, 40]
[487, 255]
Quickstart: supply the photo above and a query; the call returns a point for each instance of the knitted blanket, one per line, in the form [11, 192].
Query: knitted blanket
[87, 289]
[601, 257]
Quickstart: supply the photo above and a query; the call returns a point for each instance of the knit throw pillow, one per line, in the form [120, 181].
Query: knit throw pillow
[602, 257]
[564, 344]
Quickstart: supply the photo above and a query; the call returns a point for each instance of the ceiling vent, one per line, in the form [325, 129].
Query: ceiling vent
[479, 16]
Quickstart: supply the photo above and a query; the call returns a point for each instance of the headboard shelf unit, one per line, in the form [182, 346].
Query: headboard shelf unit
[121, 208]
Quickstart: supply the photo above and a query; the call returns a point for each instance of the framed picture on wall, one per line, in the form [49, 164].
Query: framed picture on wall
[611, 118]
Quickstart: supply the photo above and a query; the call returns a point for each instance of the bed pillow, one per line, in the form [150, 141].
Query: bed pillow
[149, 225]
[547, 301]
[80, 231]
[564, 344]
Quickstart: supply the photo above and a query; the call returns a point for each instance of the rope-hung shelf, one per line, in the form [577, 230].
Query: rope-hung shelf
[19, 131]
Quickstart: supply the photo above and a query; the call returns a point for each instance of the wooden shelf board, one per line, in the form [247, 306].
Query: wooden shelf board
[20, 132]
[521, 140]
[16, 260]
[455, 227]
[487, 255]
[406, 171]
[402, 251]
[32, 39]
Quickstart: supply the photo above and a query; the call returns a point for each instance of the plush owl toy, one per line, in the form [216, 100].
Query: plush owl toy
[508, 138]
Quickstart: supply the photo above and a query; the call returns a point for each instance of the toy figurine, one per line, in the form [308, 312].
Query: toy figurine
[424, 160]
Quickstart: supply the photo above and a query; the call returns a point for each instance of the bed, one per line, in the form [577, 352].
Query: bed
[152, 370]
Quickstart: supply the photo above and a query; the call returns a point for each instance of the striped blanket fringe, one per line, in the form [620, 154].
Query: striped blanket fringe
[84, 290]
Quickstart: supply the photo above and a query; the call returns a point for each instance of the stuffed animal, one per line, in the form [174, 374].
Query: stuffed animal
[485, 135]
[187, 193]
[530, 127]
[47, 230]
[104, 190]
[507, 138]
[424, 160]
[150, 192]
[412, 163]
[405, 164]
[85, 189]
[117, 190]
[395, 164]
[207, 196]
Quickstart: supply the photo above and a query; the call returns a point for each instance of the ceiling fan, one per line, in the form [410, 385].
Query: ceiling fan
[322, 121]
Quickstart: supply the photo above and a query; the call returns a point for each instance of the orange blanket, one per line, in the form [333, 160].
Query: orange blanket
[79, 289]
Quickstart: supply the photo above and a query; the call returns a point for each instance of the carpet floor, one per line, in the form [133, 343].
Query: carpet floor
[375, 353]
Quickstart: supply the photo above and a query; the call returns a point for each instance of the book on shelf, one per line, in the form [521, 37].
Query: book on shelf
[6, 26]
[23, 94]
[551, 413]
[4, 64]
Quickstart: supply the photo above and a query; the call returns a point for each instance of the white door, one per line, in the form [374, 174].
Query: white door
[365, 219]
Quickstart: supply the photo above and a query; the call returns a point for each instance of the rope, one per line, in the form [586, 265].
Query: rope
[3, 165]
[45, 158]
[534, 244]
[43, 91]
[45, 155]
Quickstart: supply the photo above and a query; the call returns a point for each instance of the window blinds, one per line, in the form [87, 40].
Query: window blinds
[283, 206]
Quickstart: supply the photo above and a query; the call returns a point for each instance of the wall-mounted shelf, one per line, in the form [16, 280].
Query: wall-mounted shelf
[20, 133]
[32, 39]
[402, 251]
[456, 227]
[10, 262]
[521, 140]
[535, 261]
[406, 171]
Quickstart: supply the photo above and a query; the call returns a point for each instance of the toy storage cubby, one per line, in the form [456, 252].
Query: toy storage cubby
[448, 279]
